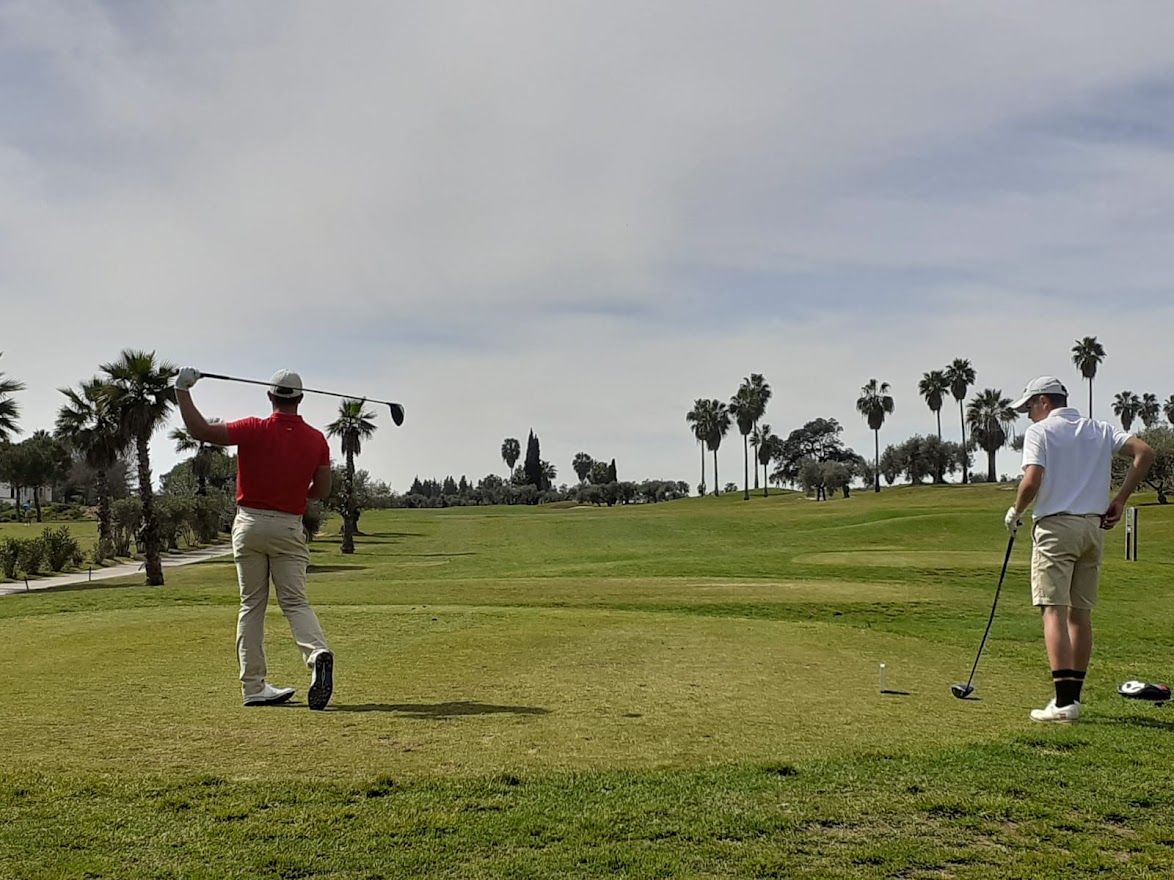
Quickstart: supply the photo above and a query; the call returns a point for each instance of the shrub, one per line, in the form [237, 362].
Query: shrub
[60, 548]
[9, 557]
[32, 555]
[126, 514]
[173, 513]
[208, 515]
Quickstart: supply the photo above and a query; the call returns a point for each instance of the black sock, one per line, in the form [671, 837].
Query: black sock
[1067, 686]
[1078, 674]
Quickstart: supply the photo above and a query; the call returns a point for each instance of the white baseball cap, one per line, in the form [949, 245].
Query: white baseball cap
[1038, 385]
[285, 383]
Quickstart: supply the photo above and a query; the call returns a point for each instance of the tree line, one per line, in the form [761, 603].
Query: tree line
[807, 459]
[111, 417]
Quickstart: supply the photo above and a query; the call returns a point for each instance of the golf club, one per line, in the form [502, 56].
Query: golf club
[962, 691]
[397, 410]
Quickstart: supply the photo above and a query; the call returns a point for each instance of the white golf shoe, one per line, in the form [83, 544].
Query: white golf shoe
[1053, 714]
[269, 696]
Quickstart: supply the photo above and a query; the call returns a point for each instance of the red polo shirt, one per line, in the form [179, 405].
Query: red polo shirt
[276, 461]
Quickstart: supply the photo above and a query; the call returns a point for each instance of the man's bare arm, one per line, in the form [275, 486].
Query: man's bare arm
[320, 488]
[197, 425]
[1143, 457]
[1033, 477]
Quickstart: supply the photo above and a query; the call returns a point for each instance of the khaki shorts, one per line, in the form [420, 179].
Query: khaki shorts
[1066, 560]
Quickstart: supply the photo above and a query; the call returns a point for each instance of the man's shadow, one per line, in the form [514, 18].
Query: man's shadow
[433, 711]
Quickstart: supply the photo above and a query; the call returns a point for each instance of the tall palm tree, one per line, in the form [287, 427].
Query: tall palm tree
[765, 450]
[716, 418]
[933, 387]
[87, 424]
[874, 403]
[203, 458]
[1126, 406]
[990, 416]
[760, 397]
[9, 409]
[696, 417]
[353, 425]
[1087, 354]
[1168, 409]
[511, 451]
[1149, 410]
[139, 393]
[744, 407]
[960, 374]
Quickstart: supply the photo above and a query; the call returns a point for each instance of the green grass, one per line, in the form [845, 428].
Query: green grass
[676, 690]
[86, 531]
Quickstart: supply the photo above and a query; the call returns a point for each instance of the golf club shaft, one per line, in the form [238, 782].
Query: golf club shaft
[306, 390]
[991, 619]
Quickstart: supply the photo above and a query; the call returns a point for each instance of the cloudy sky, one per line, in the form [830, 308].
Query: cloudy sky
[578, 217]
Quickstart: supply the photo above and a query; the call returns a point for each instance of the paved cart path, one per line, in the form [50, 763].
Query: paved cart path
[125, 569]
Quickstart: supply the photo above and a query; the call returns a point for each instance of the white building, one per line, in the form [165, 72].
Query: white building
[8, 494]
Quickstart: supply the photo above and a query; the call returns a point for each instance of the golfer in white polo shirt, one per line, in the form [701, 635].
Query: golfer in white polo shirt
[1066, 473]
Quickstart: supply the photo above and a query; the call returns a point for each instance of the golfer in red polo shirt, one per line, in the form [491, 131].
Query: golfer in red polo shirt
[281, 461]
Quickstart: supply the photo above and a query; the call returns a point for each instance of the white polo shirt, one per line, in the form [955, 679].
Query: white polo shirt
[1076, 454]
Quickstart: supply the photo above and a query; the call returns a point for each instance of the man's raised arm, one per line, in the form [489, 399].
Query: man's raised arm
[193, 419]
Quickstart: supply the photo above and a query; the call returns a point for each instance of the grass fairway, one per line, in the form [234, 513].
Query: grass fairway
[675, 690]
[85, 531]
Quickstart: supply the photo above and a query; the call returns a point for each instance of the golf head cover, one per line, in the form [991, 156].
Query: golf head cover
[1140, 690]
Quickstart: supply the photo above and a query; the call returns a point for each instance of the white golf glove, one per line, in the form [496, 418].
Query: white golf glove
[186, 378]
[1012, 520]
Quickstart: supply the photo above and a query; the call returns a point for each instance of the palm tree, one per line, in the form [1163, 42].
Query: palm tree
[933, 387]
[353, 425]
[696, 418]
[874, 403]
[744, 408]
[765, 450]
[760, 397]
[1149, 410]
[1168, 409]
[9, 409]
[989, 415]
[1126, 405]
[549, 473]
[1087, 354]
[581, 465]
[140, 396]
[205, 454]
[716, 419]
[87, 424]
[960, 375]
[511, 451]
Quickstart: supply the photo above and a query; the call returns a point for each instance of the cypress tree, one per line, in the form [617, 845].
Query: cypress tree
[533, 465]
[611, 472]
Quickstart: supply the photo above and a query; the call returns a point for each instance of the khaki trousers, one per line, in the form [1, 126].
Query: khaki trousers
[271, 544]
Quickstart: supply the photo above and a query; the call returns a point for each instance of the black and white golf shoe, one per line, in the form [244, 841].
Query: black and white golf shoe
[321, 679]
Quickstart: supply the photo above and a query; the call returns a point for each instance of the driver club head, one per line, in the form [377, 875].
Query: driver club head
[961, 691]
[397, 413]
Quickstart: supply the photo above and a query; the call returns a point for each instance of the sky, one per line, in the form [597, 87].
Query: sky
[579, 217]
